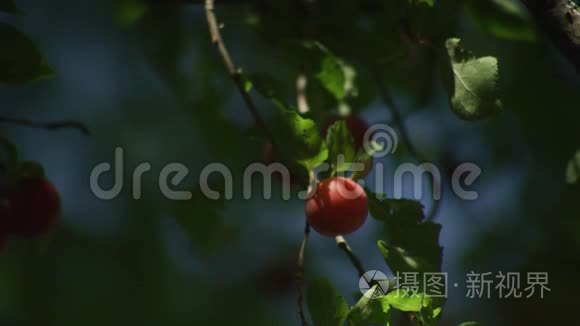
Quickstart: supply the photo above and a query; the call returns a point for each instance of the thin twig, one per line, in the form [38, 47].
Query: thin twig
[400, 124]
[300, 275]
[234, 73]
[397, 117]
[356, 262]
[48, 125]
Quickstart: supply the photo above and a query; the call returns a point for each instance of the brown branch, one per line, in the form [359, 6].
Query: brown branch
[300, 275]
[560, 20]
[65, 124]
[356, 262]
[231, 67]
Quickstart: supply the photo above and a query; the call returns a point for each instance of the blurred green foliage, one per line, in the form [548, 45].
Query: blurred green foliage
[195, 262]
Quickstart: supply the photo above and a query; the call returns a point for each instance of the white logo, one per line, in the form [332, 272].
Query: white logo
[381, 134]
[370, 279]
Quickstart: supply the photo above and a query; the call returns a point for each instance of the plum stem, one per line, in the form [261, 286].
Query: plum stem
[356, 262]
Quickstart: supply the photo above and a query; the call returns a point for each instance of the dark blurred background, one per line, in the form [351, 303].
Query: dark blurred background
[147, 79]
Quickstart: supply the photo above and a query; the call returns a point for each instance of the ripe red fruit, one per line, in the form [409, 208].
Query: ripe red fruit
[34, 208]
[357, 127]
[339, 206]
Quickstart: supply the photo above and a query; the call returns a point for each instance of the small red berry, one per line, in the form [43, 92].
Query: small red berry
[357, 127]
[339, 206]
[34, 208]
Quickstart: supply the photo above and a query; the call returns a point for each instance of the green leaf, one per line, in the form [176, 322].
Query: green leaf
[400, 260]
[436, 312]
[311, 163]
[334, 75]
[469, 323]
[404, 301]
[266, 85]
[366, 158]
[30, 170]
[298, 136]
[248, 85]
[368, 311]
[411, 245]
[367, 163]
[9, 164]
[506, 19]
[8, 6]
[401, 210]
[424, 308]
[325, 305]
[340, 142]
[573, 169]
[429, 3]
[429, 315]
[420, 241]
[8, 150]
[130, 12]
[475, 94]
[20, 59]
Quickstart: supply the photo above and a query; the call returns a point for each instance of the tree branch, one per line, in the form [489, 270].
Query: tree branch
[560, 20]
[356, 262]
[48, 125]
[300, 275]
[234, 73]
[385, 95]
